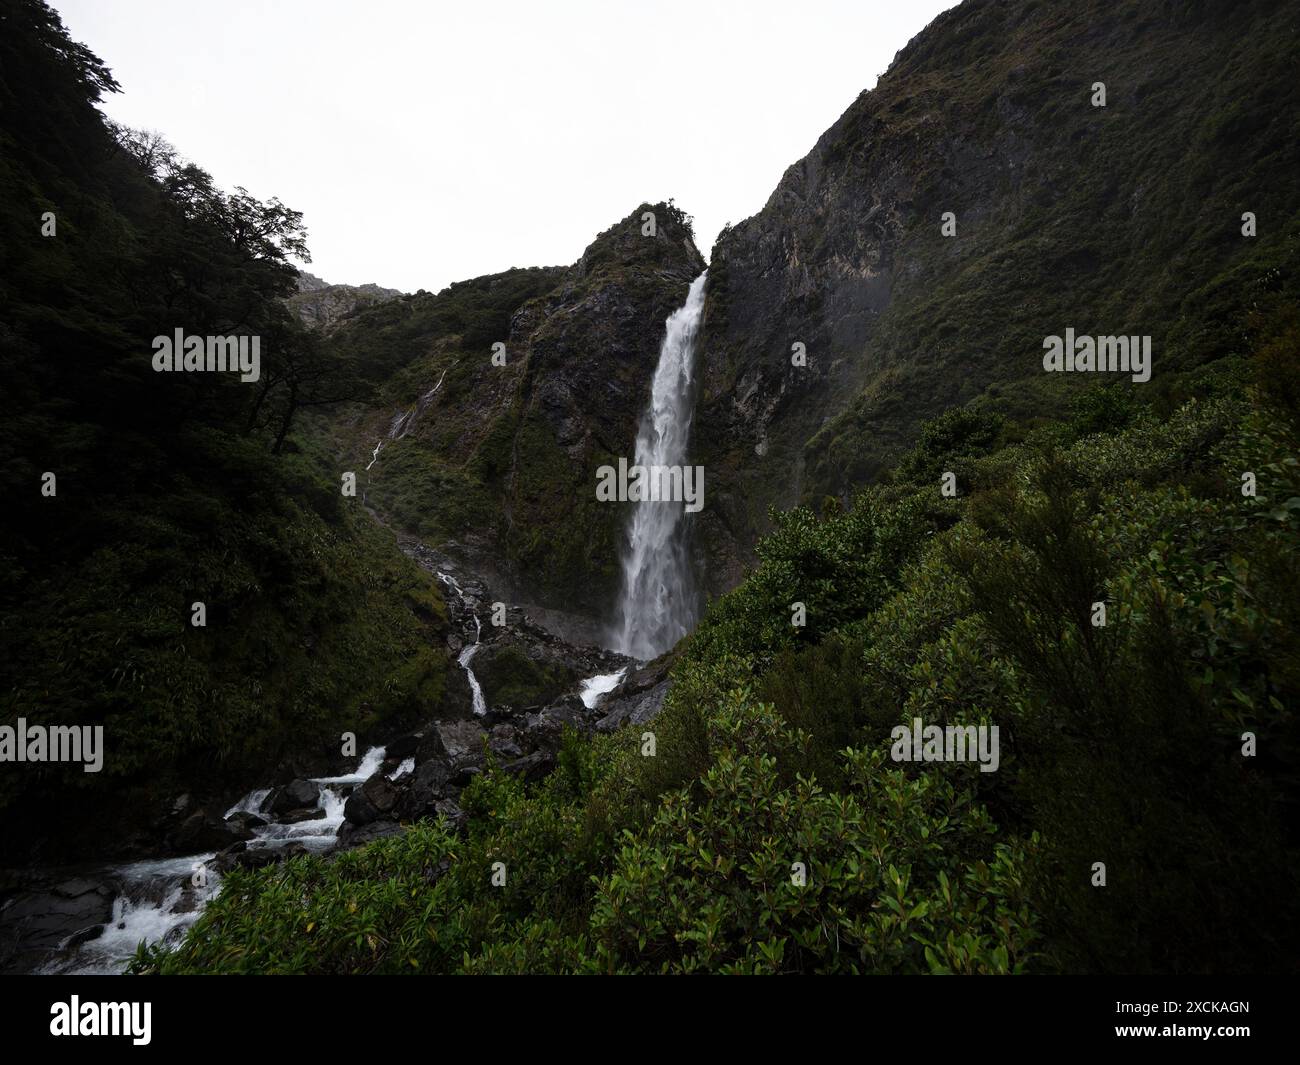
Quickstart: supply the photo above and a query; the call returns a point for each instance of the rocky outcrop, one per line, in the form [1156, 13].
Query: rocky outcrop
[320, 305]
[495, 462]
[45, 917]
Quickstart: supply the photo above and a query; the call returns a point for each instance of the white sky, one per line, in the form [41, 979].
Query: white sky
[428, 142]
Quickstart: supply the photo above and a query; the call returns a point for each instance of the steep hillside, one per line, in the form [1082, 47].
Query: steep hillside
[132, 494]
[497, 463]
[1119, 219]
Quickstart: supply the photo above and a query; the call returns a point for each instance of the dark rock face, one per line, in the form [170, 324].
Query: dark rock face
[245, 857]
[245, 822]
[403, 747]
[986, 114]
[37, 921]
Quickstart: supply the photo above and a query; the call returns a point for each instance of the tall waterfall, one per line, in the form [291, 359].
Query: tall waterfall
[658, 604]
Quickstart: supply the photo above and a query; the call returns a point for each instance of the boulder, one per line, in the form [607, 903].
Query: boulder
[243, 820]
[302, 815]
[429, 746]
[206, 831]
[424, 789]
[635, 709]
[356, 835]
[376, 797]
[45, 919]
[296, 795]
[462, 740]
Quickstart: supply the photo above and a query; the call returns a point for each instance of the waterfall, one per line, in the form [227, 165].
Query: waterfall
[658, 604]
[467, 653]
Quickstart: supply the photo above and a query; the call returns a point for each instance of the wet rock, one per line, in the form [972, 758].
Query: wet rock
[242, 819]
[228, 858]
[639, 699]
[84, 936]
[206, 831]
[296, 795]
[261, 857]
[298, 816]
[403, 747]
[42, 920]
[376, 797]
[76, 887]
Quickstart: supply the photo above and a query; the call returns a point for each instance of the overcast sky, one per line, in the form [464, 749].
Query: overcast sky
[427, 142]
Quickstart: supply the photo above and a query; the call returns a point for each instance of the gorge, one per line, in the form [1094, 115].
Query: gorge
[648, 710]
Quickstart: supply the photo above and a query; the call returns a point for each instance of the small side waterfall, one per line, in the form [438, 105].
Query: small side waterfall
[658, 605]
[468, 651]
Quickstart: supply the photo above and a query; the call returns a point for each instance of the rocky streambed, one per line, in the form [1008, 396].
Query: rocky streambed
[530, 684]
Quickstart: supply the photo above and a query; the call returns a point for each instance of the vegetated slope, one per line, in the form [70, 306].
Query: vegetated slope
[166, 489]
[497, 463]
[1122, 219]
[1162, 744]
[1121, 744]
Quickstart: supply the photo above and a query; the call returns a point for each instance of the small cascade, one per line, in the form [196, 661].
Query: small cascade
[157, 901]
[593, 688]
[404, 420]
[467, 653]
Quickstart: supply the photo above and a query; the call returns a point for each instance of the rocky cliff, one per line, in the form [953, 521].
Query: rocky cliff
[1115, 219]
[494, 459]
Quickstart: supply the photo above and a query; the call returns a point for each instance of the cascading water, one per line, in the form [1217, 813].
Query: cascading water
[658, 605]
[156, 901]
[403, 420]
[467, 653]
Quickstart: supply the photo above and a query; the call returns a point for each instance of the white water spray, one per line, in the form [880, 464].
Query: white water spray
[658, 603]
